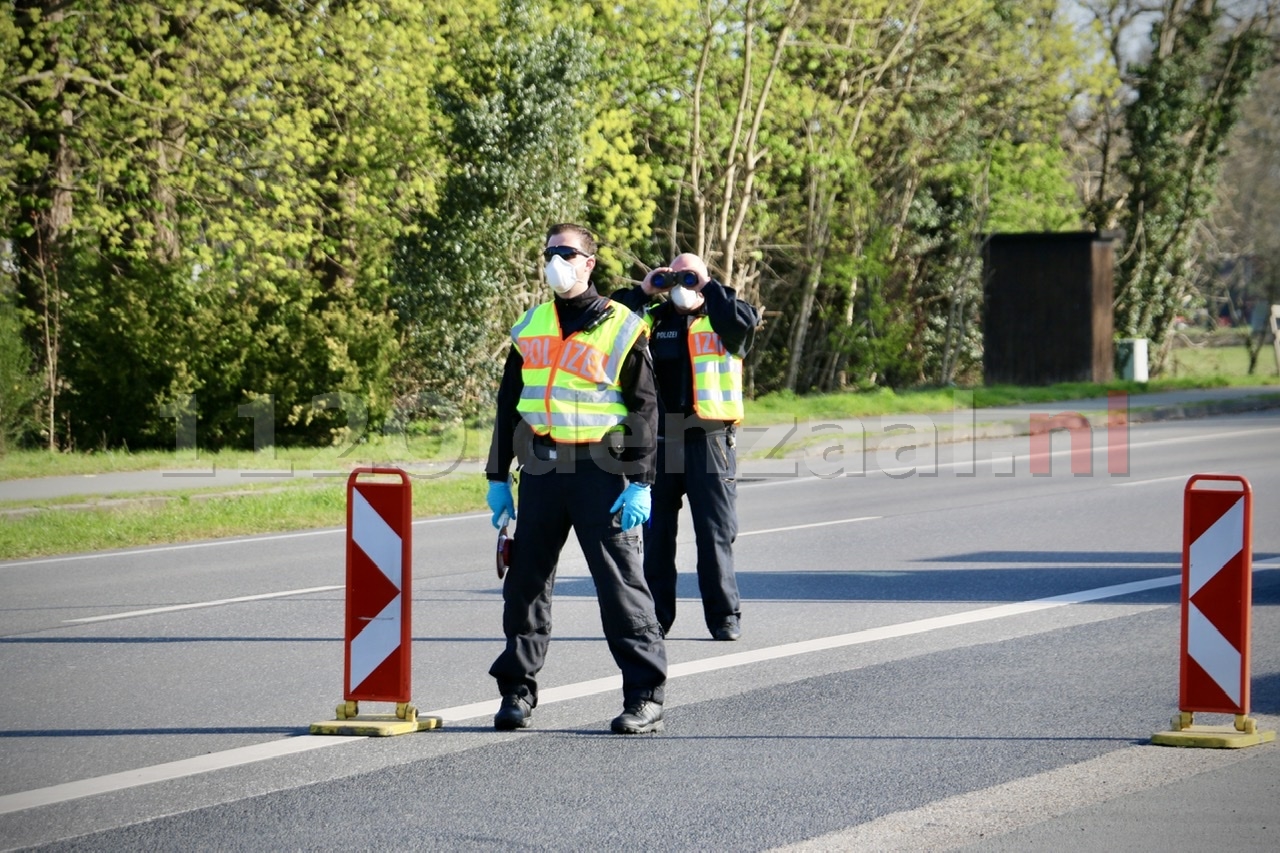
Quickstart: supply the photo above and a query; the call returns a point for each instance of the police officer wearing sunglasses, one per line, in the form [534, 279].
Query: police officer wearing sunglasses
[578, 407]
[701, 332]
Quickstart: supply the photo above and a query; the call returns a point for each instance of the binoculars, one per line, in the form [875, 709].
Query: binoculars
[665, 280]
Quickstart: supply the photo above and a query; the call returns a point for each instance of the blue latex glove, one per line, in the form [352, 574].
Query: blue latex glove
[501, 501]
[634, 502]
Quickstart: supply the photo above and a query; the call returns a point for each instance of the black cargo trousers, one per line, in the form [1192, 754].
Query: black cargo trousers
[574, 491]
[704, 467]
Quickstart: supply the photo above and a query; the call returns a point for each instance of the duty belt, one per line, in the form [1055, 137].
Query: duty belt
[547, 450]
[702, 429]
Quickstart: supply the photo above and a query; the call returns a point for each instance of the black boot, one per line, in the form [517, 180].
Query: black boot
[639, 716]
[514, 714]
[729, 629]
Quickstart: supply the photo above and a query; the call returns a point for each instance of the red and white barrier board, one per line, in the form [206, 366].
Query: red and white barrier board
[1217, 593]
[378, 631]
[379, 549]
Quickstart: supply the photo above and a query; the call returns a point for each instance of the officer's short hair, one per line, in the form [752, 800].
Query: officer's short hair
[585, 237]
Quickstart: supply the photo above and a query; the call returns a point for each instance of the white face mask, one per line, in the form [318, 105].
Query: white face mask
[561, 275]
[685, 299]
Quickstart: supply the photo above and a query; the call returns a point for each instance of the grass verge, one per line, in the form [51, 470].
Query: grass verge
[189, 517]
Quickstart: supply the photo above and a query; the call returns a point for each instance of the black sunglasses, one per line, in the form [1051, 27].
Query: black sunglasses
[566, 252]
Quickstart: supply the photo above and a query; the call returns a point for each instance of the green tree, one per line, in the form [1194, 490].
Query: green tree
[1187, 100]
[637, 62]
[19, 385]
[910, 118]
[517, 107]
[205, 200]
[42, 89]
[1245, 233]
[344, 160]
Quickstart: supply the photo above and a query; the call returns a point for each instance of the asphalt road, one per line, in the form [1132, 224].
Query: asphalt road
[941, 652]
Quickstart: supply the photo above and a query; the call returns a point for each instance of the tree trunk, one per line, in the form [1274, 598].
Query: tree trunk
[46, 206]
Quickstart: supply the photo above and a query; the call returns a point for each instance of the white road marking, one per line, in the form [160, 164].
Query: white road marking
[221, 601]
[1182, 477]
[1185, 439]
[165, 772]
[919, 626]
[807, 526]
[565, 693]
[198, 604]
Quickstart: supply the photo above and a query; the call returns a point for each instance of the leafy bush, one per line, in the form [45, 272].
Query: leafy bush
[19, 387]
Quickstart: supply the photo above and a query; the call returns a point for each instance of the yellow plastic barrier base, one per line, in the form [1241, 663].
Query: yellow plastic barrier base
[376, 725]
[1184, 733]
[1217, 737]
[349, 722]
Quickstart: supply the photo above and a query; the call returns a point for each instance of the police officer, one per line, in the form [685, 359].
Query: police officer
[578, 406]
[700, 334]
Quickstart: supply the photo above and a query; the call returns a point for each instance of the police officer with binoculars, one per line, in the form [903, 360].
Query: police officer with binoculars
[700, 332]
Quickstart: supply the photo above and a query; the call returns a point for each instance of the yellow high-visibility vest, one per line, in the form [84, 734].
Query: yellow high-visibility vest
[571, 392]
[717, 374]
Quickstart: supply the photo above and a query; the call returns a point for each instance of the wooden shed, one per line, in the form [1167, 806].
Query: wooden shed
[1047, 307]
